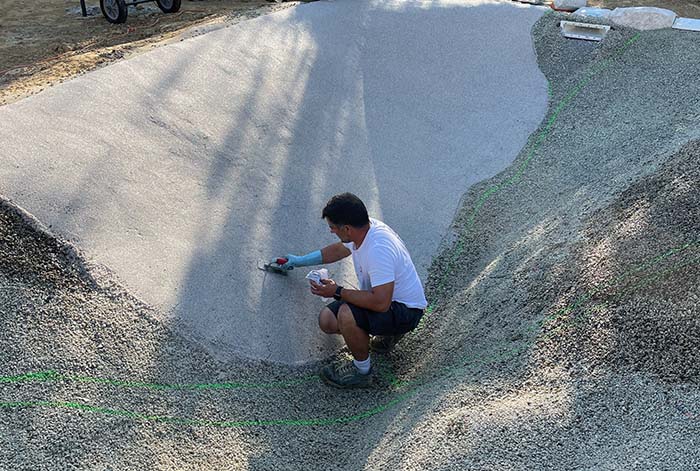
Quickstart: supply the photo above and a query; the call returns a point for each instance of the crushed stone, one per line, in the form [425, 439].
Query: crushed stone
[499, 376]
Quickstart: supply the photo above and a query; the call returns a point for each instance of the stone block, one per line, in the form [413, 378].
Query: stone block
[644, 18]
[569, 5]
[587, 31]
[591, 12]
[688, 24]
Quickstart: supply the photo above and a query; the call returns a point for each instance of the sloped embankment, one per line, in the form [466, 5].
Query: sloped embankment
[605, 193]
[577, 270]
[562, 335]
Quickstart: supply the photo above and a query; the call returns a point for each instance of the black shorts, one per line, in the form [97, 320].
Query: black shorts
[399, 319]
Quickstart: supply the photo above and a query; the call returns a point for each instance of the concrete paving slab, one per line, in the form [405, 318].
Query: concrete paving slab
[182, 168]
[688, 24]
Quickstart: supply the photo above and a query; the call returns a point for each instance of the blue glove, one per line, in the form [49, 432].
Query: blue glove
[313, 258]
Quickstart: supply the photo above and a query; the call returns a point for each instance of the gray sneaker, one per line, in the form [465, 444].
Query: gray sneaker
[345, 376]
[384, 343]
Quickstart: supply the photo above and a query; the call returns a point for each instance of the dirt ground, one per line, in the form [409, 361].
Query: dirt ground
[44, 43]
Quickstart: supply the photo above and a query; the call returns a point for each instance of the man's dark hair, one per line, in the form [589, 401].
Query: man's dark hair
[346, 209]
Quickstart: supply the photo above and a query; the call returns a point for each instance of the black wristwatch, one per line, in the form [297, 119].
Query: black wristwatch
[338, 289]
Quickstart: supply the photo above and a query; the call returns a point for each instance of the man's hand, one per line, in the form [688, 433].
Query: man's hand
[325, 290]
[291, 261]
[313, 258]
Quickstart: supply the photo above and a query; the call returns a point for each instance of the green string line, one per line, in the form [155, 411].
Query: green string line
[400, 398]
[470, 359]
[459, 247]
[211, 423]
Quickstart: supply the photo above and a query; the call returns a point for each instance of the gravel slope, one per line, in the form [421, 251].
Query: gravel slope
[563, 334]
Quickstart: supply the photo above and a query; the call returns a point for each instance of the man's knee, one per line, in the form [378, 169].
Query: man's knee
[327, 321]
[345, 316]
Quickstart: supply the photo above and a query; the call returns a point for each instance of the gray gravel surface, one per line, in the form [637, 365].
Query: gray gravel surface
[563, 333]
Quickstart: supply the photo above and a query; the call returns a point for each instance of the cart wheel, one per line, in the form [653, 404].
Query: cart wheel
[169, 6]
[114, 10]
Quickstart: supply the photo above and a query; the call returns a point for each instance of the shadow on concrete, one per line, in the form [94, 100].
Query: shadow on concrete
[355, 126]
[287, 152]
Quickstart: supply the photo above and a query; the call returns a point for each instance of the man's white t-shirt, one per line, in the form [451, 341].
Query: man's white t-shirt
[382, 258]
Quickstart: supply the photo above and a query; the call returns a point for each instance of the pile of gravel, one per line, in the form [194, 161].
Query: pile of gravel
[562, 334]
[577, 268]
[638, 268]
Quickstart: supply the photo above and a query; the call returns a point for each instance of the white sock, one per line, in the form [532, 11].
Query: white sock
[363, 366]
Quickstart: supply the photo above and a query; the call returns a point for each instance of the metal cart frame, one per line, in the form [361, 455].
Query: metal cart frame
[120, 7]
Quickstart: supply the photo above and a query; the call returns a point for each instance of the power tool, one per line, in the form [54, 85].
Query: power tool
[275, 266]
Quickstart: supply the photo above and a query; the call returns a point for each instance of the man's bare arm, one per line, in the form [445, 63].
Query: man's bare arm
[334, 252]
[377, 299]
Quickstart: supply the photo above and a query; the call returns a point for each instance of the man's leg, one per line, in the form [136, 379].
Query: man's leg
[354, 374]
[327, 321]
[356, 339]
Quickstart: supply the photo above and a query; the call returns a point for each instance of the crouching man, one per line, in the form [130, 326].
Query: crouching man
[390, 301]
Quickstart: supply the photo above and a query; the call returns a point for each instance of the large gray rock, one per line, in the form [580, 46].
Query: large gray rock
[569, 5]
[644, 18]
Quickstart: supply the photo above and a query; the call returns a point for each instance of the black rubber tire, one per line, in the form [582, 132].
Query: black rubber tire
[169, 6]
[115, 11]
